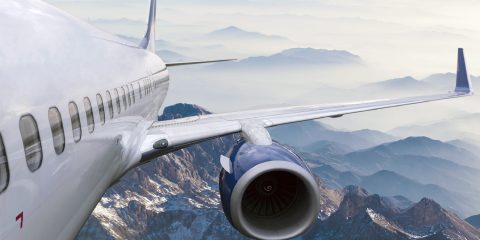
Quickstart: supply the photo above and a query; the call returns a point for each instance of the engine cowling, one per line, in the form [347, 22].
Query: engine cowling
[269, 193]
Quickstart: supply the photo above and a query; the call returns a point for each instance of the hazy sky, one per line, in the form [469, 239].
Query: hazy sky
[395, 38]
[413, 37]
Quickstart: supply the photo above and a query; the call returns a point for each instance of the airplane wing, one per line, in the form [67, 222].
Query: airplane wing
[166, 136]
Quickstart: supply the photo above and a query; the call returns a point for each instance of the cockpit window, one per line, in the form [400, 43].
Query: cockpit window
[56, 126]
[117, 100]
[76, 124]
[4, 173]
[89, 113]
[110, 104]
[31, 142]
[101, 108]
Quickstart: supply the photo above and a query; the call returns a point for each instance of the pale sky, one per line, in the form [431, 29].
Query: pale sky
[403, 37]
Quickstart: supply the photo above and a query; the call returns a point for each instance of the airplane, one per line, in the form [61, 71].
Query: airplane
[79, 109]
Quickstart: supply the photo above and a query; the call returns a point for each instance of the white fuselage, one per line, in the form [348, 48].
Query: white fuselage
[49, 59]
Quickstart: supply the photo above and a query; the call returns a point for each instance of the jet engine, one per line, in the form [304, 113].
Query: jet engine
[267, 191]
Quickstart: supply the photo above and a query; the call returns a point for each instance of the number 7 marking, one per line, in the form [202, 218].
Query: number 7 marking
[20, 217]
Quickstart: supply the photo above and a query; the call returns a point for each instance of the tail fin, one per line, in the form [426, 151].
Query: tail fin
[148, 41]
[464, 85]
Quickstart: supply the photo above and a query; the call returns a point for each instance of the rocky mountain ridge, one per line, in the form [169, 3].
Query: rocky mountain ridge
[364, 216]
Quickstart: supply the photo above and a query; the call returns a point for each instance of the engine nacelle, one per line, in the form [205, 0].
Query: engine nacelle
[269, 193]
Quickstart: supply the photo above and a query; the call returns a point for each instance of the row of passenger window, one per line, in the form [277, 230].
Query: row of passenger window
[31, 138]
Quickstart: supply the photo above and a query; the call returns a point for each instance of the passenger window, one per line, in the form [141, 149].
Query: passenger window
[128, 96]
[117, 100]
[133, 93]
[31, 142]
[58, 133]
[101, 108]
[139, 89]
[145, 87]
[124, 97]
[76, 124]
[148, 86]
[110, 104]
[4, 172]
[89, 113]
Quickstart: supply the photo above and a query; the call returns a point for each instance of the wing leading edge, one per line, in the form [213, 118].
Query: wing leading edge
[167, 136]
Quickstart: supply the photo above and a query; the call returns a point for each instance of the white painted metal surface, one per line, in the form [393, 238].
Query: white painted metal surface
[48, 58]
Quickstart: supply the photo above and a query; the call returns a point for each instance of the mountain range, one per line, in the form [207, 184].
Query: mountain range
[435, 82]
[293, 57]
[464, 126]
[236, 33]
[176, 197]
[474, 221]
[364, 216]
[460, 179]
[308, 134]
[389, 183]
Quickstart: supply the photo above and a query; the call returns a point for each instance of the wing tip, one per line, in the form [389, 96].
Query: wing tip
[463, 82]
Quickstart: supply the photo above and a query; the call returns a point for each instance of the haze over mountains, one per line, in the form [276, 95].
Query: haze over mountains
[235, 33]
[464, 126]
[390, 45]
[414, 167]
[298, 74]
[175, 197]
[294, 57]
[305, 75]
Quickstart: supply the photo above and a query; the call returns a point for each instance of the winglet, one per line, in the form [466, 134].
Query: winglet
[148, 42]
[464, 85]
